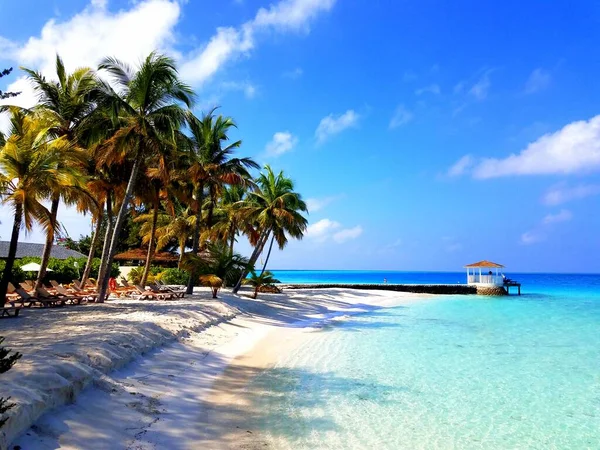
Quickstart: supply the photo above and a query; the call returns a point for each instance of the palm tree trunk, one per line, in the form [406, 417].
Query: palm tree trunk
[232, 238]
[118, 225]
[93, 245]
[196, 237]
[107, 235]
[12, 251]
[268, 254]
[49, 242]
[255, 254]
[152, 243]
[181, 252]
[211, 207]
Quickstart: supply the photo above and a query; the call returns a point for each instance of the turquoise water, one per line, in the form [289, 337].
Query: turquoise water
[456, 372]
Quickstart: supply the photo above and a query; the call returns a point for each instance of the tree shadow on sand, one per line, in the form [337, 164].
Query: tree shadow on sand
[280, 402]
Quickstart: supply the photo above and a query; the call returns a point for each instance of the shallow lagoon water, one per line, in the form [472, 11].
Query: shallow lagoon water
[451, 372]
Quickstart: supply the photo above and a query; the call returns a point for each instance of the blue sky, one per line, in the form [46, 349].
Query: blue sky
[425, 135]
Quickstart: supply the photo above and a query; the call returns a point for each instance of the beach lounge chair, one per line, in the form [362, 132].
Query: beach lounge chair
[27, 286]
[147, 294]
[77, 286]
[84, 296]
[10, 292]
[14, 298]
[10, 311]
[124, 289]
[43, 302]
[68, 298]
[77, 289]
[165, 290]
[178, 293]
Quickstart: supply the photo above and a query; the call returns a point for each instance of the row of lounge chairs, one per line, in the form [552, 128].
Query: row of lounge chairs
[156, 291]
[27, 296]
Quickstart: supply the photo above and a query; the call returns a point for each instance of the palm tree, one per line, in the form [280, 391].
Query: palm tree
[228, 220]
[178, 226]
[28, 164]
[212, 167]
[66, 103]
[265, 279]
[216, 261]
[276, 210]
[150, 220]
[100, 186]
[149, 112]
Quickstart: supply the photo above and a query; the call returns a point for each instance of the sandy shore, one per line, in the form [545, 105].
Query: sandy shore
[193, 393]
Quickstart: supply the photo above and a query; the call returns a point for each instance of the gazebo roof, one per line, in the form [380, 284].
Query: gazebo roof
[139, 254]
[485, 263]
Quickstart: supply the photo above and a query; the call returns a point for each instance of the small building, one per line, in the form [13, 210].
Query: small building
[26, 249]
[137, 256]
[485, 273]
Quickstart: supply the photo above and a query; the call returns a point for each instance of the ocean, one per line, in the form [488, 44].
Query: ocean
[450, 372]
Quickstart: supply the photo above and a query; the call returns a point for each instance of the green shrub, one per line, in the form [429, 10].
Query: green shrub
[63, 270]
[135, 275]
[174, 276]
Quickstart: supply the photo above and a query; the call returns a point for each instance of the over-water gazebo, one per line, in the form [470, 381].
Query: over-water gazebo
[485, 273]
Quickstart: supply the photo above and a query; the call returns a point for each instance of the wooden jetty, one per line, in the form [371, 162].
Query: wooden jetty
[511, 283]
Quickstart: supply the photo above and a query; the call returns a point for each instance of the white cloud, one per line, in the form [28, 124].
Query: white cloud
[539, 80]
[317, 204]
[332, 125]
[326, 229]
[459, 87]
[409, 76]
[478, 90]
[347, 234]
[294, 74]
[247, 88]
[282, 142]
[481, 89]
[90, 35]
[321, 230]
[541, 232]
[95, 32]
[562, 216]
[431, 89]
[532, 237]
[291, 14]
[573, 149]
[401, 117]
[230, 43]
[396, 243]
[26, 99]
[560, 194]
[461, 166]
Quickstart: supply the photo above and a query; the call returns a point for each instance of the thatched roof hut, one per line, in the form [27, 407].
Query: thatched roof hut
[140, 254]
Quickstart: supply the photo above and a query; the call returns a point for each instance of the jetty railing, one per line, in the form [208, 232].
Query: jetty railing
[496, 280]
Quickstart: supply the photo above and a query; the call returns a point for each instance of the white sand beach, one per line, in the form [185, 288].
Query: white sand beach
[158, 374]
